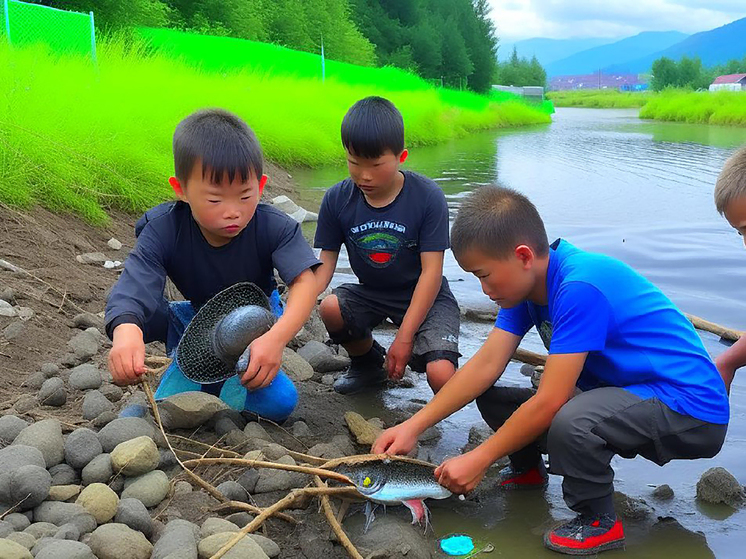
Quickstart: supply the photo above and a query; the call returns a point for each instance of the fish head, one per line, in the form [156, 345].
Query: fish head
[367, 482]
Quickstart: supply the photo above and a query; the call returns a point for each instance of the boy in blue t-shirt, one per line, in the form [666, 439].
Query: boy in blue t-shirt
[217, 235]
[648, 387]
[730, 201]
[395, 226]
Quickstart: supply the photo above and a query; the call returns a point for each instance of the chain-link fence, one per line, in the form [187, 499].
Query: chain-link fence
[27, 24]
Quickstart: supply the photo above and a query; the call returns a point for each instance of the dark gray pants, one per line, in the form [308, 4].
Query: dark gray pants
[594, 426]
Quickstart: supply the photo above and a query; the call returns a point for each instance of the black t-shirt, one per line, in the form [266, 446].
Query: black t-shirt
[384, 244]
[170, 244]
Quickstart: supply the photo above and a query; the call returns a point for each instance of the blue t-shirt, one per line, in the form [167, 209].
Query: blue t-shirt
[635, 336]
[384, 244]
[170, 244]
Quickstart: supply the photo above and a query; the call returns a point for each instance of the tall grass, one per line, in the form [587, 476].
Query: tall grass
[81, 139]
[599, 99]
[723, 107]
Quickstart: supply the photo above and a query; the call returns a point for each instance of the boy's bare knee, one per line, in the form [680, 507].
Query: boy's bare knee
[330, 313]
[438, 373]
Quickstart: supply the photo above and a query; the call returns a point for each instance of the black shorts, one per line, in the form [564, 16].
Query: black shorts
[364, 308]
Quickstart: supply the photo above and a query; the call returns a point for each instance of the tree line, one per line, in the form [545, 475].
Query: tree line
[690, 73]
[520, 71]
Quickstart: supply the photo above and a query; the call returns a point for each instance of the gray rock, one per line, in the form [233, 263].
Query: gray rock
[124, 429]
[43, 543]
[244, 549]
[344, 444]
[84, 345]
[233, 491]
[166, 459]
[86, 377]
[322, 358]
[8, 294]
[71, 360]
[134, 514]
[67, 531]
[182, 487]
[254, 430]
[25, 313]
[248, 479]
[213, 525]
[274, 451]
[17, 455]
[50, 370]
[25, 403]
[53, 393]
[10, 427]
[13, 550]
[84, 522]
[225, 425]
[114, 244]
[240, 518]
[35, 380]
[327, 380]
[91, 258]
[41, 529]
[19, 521]
[297, 368]
[57, 513]
[117, 541]
[6, 529]
[46, 436]
[94, 404]
[26, 540]
[325, 450]
[28, 486]
[100, 501]
[189, 409]
[663, 493]
[98, 470]
[81, 447]
[6, 309]
[301, 430]
[14, 330]
[102, 420]
[150, 488]
[135, 457]
[179, 539]
[66, 550]
[279, 480]
[631, 508]
[111, 391]
[717, 485]
[87, 320]
[230, 414]
[390, 535]
[63, 474]
[268, 546]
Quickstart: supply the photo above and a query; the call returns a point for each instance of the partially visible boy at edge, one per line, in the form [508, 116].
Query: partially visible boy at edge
[649, 388]
[216, 235]
[395, 226]
[730, 201]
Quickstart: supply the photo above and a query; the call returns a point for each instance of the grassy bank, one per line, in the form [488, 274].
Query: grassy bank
[78, 138]
[724, 107]
[599, 99]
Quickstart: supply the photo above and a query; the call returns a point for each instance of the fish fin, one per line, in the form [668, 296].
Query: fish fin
[418, 509]
[370, 515]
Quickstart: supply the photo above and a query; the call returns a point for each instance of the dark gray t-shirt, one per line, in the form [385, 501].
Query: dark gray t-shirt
[170, 244]
[384, 244]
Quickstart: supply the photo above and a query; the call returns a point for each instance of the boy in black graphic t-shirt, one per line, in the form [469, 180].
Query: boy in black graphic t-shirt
[395, 227]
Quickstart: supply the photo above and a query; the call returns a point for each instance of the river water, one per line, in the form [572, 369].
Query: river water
[637, 190]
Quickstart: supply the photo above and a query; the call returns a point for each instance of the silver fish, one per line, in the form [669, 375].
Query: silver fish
[396, 482]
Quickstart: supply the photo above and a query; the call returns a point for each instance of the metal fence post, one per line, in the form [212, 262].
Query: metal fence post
[93, 40]
[7, 20]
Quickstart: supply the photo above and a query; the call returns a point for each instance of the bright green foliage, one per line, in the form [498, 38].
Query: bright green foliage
[689, 73]
[722, 107]
[599, 99]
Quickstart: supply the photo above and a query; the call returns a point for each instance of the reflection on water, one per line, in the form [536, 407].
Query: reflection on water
[641, 192]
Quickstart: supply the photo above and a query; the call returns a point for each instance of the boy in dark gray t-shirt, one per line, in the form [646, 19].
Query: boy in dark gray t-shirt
[395, 227]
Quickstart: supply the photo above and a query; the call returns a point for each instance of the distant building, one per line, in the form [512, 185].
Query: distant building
[621, 82]
[731, 82]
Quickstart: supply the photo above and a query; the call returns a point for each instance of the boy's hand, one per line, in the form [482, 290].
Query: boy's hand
[396, 440]
[462, 474]
[266, 359]
[398, 356]
[127, 355]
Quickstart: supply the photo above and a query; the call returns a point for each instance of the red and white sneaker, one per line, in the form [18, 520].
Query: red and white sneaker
[586, 535]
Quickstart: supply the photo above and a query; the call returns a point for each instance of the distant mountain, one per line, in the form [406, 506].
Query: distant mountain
[712, 47]
[549, 50]
[615, 54]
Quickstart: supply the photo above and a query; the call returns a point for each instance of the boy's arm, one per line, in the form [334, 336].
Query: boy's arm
[266, 351]
[425, 293]
[528, 422]
[732, 360]
[325, 272]
[471, 380]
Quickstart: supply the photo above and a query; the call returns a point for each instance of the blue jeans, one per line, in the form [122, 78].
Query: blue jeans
[275, 402]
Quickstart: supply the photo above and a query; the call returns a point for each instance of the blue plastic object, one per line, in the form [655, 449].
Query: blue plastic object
[457, 544]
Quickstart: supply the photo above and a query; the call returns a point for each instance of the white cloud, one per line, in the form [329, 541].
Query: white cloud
[520, 19]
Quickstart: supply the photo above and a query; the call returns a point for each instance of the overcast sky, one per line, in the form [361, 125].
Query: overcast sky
[562, 19]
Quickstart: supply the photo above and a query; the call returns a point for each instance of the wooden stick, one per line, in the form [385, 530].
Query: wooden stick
[238, 505]
[362, 458]
[273, 465]
[278, 506]
[526, 356]
[336, 526]
[725, 333]
[227, 452]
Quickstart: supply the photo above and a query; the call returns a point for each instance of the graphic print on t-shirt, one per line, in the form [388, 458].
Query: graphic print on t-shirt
[378, 242]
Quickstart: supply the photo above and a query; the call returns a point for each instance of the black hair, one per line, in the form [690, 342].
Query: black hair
[495, 220]
[372, 126]
[222, 141]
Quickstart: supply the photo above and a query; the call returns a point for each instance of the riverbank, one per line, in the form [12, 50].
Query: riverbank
[90, 139]
[599, 99]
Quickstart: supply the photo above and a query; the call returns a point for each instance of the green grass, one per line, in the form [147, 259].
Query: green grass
[84, 140]
[723, 107]
[599, 99]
